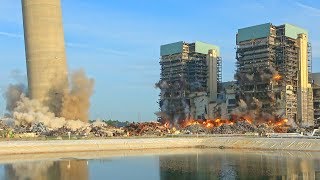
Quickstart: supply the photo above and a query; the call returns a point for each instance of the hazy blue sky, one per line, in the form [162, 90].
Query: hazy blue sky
[117, 42]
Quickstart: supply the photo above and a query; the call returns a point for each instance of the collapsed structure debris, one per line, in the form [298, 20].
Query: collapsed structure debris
[219, 126]
[3, 126]
[5, 130]
[101, 129]
[147, 129]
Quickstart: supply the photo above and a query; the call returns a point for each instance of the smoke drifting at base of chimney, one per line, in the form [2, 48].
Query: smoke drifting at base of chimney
[76, 102]
[75, 105]
[13, 94]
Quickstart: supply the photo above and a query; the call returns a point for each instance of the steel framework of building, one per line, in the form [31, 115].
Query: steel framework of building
[186, 75]
[268, 69]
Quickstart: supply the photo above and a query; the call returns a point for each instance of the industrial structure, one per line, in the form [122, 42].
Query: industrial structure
[45, 51]
[316, 97]
[228, 95]
[190, 80]
[274, 69]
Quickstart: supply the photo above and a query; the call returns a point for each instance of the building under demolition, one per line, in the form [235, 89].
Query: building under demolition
[45, 52]
[190, 81]
[273, 71]
[316, 97]
[228, 95]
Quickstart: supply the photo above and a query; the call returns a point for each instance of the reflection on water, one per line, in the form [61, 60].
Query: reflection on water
[235, 166]
[203, 164]
[46, 170]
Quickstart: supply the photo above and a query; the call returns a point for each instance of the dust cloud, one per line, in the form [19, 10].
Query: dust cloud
[76, 102]
[74, 109]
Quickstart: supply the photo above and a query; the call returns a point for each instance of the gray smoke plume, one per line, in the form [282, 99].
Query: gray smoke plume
[14, 91]
[250, 104]
[76, 102]
[13, 94]
[173, 105]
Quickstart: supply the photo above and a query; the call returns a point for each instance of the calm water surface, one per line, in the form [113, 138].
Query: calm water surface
[203, 164]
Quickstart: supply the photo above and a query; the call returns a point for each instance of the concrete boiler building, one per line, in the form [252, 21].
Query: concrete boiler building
[274, 67]
[192, 74]
[316, 97]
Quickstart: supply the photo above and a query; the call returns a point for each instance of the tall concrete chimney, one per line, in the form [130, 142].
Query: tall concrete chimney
[45, 51]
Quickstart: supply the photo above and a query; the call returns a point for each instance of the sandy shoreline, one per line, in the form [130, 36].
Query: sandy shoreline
[68, 146]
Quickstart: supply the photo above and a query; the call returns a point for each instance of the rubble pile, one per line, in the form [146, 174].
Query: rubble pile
[3, 125]
[101, 129]
[5, 130]
[264, 129]
[97, 129]
[244, 126]
[224, 129]
[239, 127]
[147, 129]
[40, 129]
[63, 131]
[195, 129]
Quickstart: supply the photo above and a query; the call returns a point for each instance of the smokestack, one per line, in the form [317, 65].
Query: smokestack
[45, 51]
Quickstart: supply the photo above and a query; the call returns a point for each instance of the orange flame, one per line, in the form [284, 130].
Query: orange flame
[166, 124]
[277, 77]
[277, 125]
[282, 122]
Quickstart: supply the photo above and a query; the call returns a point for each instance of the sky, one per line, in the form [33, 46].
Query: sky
[118, 42]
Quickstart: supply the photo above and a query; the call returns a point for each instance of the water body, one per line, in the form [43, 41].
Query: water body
[198, 164]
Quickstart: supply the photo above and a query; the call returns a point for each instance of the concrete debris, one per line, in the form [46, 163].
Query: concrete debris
[240, 127]
[3, 125]
[263, 129]
[5, 130]
[39, 128]
[147, 129]
[196, 129]
[101, 129]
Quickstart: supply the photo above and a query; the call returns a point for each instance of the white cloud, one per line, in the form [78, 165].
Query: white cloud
[76, 45]
[312, 10]
[11, 35]
[112, 51]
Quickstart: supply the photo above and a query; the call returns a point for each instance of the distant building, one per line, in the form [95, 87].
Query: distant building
[190, 80]
[273, 67]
